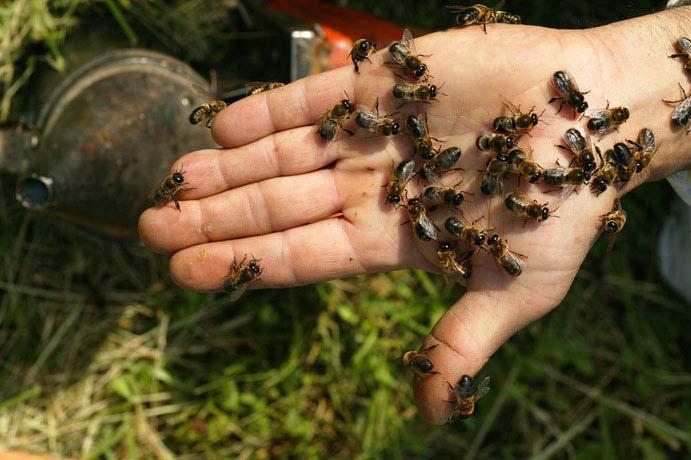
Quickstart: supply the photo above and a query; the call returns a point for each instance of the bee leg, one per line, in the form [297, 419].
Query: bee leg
[177, 203]
[560, 107]
[357, 67]
[208, 122]
[348, 131]
[431, 347]
[434, 372]
[677, 55]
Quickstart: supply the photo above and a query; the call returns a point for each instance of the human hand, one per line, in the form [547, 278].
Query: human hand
[314, 210]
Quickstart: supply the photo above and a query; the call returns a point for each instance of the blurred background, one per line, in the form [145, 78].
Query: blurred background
[101, 356]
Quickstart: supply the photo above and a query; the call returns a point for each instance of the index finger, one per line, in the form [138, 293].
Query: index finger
[300, 103]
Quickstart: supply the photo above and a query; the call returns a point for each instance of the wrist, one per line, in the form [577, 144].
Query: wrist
[637, 73]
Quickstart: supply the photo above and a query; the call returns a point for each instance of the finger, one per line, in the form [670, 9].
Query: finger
[301, 255]
[256, 209]
[469, 333]
[300, 103]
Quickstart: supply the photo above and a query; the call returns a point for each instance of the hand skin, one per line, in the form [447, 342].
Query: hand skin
[314, 210]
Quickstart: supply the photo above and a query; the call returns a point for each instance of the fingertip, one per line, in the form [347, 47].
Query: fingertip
[149, 231]
[197, 268]
[427, 397]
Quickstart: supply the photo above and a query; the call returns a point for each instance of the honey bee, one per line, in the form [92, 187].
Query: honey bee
[469, 234]
[466, 396]
[240, 276]
[385, 125]
[494, 175]
[682, 113]
[561, 176]
[623, 158]
[604, 177]
[419, 362]
[684, 47]
[604, 121]
[518, 123]
[521, 163]
[362, 49]
[498, 143]
[424, 228]
[257, 87]
[410, 93]
[644, 148]
[568, 91]
[419, 132]
[453, 263]
[206, 112]
[503, 257]
[330, 123]
[582, 149]
[481, 14]
[434, 196]
[613, 222]
[528, 209]
[441, 162]
[404, 54]
[399, 177]
[170, 187]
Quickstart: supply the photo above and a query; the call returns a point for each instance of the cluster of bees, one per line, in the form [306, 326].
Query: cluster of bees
[456, 239]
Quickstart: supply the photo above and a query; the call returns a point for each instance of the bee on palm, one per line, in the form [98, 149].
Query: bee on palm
[521, 163]
[496, 143]
[527, 209]
[603, 122]
[682, 113]
[241, 275]
[435, 196]
[505, 259]
[466, 396]
[452, 262]
[471, 235]
[419, 363]
[405, 55]
[613, 222]
[683, 46]
[370, 120]
[331, 122]
[643, 149]
[493, 178]
[560, 176]
[582, 149]
[398, 179]
[409, 93]
[618, 165]
[362, 50]
[418, 130]
[518, 123]
[169, 189]
[442, 162]
[568, 91]
[424, 229]
[482, 15]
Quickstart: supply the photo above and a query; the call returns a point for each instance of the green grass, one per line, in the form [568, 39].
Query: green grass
[109, 360]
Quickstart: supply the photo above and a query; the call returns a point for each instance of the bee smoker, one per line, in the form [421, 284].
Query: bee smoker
[105, 138]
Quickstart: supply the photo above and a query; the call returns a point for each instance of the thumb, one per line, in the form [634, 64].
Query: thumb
[467, 335]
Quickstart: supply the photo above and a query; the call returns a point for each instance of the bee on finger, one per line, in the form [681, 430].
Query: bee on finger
[419, 133]
[398, 179]
[504, 258]
[205, 112]
[331, 122]
[466, 396]
[520, 162]
[482, 15]
[169, 188]
[605, 121]
[568, 91]
[404, 54]
[644, 149]
[528, 209]
[440, 163]
[471, 235]
[453, 263]
[385, 125]
[684, 51]
[518, 123]
[682, 113]
[240, 276]
[613, 222]
[362, 50]
[424, 229]
[419, 363]
[582, 149]
[257, 87]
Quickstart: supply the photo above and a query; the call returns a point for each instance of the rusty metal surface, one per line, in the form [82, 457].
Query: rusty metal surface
[109, 134]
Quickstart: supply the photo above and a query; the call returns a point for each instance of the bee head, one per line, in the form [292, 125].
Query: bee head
[347, 105]
[254, 267]
[425, 365]
[577, 175]
[393, 199]
[621, 115]
[639, 166]
[545, 214]
[420, 70]
[395, 128]
[611, 227]
[535, 177]
[534, 119]
[458, 199]
[414, 202]
[178, 178]
[509, 142]
[580, 103]
[445, 246]
[433, 91]
[365, 46]
[480, 239]
[494, 239]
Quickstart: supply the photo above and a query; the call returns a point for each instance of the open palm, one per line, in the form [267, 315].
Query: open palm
[313, 210]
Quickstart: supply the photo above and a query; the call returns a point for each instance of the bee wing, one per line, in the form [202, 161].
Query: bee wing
[565, 82]
[681, 110]
[482, 388]
[429, 227]
[684, 45]
[575, 140]
[597, 113]
[204, 92]
[408, 40]
[647, 140]
[366, 110]
[236, 294]
[406, 170]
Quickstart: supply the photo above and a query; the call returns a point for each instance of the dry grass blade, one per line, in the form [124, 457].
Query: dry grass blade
[563, 440]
